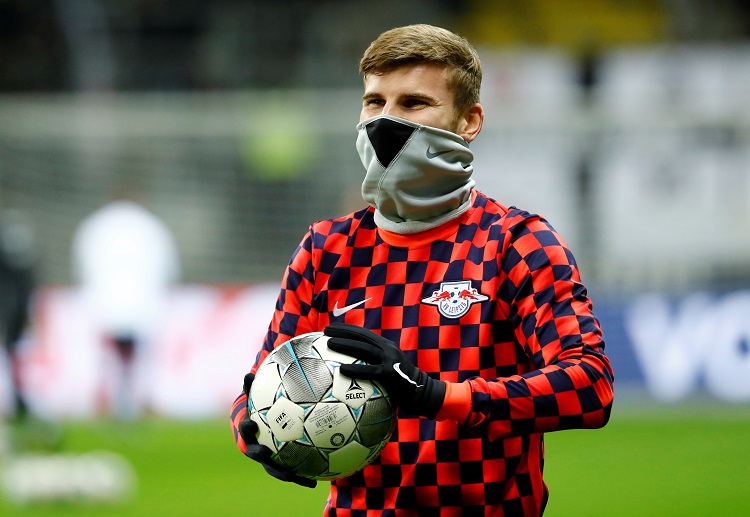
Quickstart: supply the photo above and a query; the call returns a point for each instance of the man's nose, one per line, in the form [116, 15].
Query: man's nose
[389, 108]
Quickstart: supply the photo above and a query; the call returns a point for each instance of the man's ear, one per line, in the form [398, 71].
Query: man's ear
[470, 123]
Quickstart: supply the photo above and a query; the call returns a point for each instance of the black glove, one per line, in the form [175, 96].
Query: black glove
[411, 389]
[261, 453]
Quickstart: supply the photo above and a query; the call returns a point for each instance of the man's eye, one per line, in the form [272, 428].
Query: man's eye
[373, 102]
[414, 103]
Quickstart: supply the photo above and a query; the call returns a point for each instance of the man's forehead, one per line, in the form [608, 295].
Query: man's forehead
[415, 80]
[408, 67]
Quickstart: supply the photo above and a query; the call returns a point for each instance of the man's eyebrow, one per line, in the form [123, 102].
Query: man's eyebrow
[414, 95]
[421, 96]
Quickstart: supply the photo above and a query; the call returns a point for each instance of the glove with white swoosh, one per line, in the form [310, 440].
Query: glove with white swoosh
[410, 388]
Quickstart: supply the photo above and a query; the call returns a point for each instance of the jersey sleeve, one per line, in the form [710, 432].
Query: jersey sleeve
[293, 315]
[542, 295]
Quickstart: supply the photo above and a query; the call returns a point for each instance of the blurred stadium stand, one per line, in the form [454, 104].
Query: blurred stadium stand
[626, 123]
[236, 119]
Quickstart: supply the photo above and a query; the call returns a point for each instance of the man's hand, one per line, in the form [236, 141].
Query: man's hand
[261, 453]
[411, 389]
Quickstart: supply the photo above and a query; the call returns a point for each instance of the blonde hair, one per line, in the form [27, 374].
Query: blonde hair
[428, 44]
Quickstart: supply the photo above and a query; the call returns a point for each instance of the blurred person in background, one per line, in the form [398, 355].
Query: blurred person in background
[17, 285]
[471, 314]
[125, 260]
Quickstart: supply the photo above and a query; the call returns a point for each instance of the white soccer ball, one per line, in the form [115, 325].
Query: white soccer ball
[318, 423]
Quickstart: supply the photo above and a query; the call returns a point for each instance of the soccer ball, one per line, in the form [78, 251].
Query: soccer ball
[317, 422]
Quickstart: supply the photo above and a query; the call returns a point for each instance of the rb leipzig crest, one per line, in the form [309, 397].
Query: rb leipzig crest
[454, 299]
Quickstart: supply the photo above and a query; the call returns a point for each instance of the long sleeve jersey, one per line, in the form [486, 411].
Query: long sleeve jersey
[492, 301]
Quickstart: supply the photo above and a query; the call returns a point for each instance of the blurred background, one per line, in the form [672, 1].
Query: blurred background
[230, 125]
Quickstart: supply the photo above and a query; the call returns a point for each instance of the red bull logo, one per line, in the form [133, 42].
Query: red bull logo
[454, 299]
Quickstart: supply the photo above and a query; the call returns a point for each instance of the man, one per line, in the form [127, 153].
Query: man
[125, 260]
[17, 288]
[472, 315]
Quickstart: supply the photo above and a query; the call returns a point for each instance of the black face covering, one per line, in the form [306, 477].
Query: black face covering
[418, 177]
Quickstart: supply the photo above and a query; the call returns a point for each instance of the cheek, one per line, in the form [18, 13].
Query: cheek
[439, 118]
[445, 123]
[368, 113]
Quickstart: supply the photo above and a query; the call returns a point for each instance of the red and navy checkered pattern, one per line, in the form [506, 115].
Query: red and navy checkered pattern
[532, 352]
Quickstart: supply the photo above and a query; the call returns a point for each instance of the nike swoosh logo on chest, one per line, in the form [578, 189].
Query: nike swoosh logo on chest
[343, 310]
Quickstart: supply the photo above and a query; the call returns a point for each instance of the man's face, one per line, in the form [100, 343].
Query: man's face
[419, 93]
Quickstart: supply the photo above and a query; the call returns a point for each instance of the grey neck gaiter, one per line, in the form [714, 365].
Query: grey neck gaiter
[418, 177]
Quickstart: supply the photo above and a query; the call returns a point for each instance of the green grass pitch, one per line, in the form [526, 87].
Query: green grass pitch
[661, 461]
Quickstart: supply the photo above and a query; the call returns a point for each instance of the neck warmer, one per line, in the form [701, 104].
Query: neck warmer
[418, 177]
